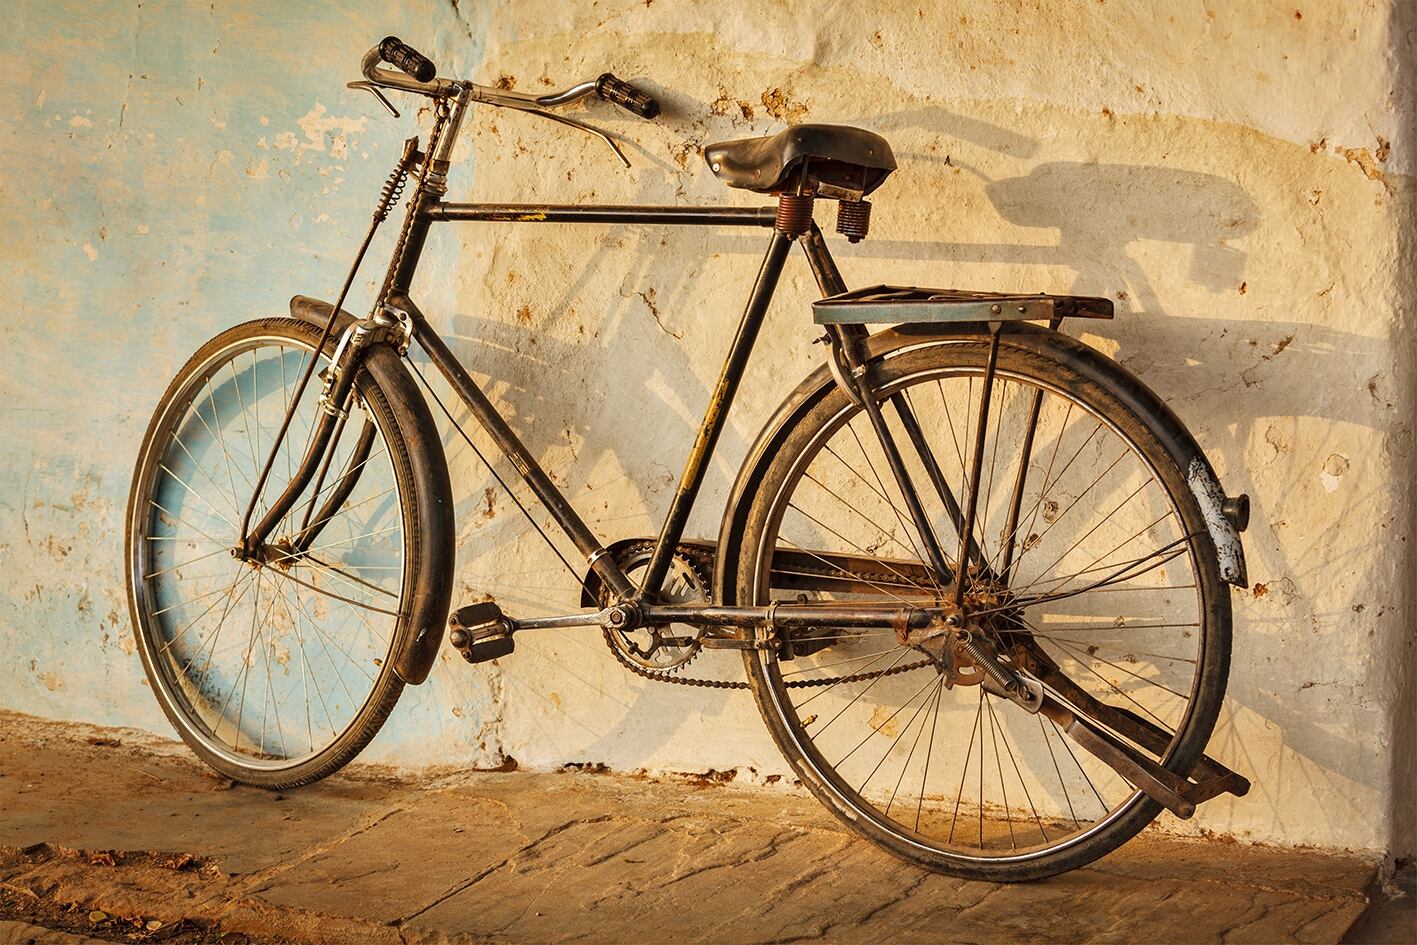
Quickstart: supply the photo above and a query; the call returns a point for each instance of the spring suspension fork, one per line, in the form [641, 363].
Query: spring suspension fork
[336, 384]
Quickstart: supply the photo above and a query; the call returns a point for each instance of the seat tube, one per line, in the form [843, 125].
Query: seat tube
[715, 415]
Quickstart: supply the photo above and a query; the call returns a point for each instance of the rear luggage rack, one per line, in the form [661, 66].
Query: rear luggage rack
[896, 304]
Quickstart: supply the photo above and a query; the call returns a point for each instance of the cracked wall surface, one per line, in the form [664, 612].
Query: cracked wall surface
[1237, 177]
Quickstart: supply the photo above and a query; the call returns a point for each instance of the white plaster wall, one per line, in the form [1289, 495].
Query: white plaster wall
[1237, 176]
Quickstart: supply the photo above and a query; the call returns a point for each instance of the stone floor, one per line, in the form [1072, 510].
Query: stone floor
[115, 834]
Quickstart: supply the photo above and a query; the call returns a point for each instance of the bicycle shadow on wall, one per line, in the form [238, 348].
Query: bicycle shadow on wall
[1099, 212]
[545, 379]
[1229, 392]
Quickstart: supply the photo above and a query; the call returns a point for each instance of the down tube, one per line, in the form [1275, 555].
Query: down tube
[511, 445]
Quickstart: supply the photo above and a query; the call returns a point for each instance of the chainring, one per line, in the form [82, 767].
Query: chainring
[661, 649]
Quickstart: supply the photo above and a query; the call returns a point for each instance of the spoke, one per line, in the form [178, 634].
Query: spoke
[1119, 571]
[798, 547]
[1113, 686]
[971, 506]
[295, 616]
[216, 639]
[964, 773]
[315, 496]
[874, 731]
[220, 437]
[1073, 648]
[1081, 769]
[183, 521]
[193, 600]
[1048, 485]
[325, 641]
[320, 590]
[241, 401]
[193, 622]
[963, 467]
[929, 750]
[1059, 771]
[347, 578]
[1100, 522]
[999, 761]
[196, 464]
[1125, 573]
[1078, 498]
[869, 521]
[993, 465]
[826, 689]
[289, 400]
[275, 703]
[900, 519]
[1006, 539]
[223, 550]
[181, 482]
[933, 698]
[345, 541]
[854, 659]
[1026, 795]
[1126, 650]
[245, 667]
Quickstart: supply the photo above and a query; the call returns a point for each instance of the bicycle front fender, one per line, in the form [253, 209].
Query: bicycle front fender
[421, 631]
[1086, 361]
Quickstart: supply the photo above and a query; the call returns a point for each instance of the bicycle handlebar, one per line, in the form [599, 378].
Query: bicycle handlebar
[419, 74]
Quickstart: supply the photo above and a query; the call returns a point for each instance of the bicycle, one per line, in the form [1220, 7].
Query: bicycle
[874, 577]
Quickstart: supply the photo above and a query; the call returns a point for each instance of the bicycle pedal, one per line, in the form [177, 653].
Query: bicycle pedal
[481, 632]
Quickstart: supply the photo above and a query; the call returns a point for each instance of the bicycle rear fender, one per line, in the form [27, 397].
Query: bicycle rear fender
[1086, 361]
[421, 634]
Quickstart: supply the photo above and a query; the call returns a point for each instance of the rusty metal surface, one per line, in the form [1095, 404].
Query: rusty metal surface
[889, 304]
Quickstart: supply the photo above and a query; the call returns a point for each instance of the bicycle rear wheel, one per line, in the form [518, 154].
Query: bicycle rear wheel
[1111, 594]
[277, 673]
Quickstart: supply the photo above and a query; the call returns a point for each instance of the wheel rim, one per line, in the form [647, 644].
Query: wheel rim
[267, 666]
[871, 742]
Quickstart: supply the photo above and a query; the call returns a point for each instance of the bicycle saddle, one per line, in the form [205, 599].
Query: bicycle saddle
[841, 161]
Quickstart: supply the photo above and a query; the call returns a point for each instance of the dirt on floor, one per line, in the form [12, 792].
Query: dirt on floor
[116, 835]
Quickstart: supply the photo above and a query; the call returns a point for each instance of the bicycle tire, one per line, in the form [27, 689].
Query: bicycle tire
[416, 464]
[771, 493]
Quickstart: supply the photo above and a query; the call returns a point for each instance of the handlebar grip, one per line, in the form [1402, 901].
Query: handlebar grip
[400, 55]
[626, 96]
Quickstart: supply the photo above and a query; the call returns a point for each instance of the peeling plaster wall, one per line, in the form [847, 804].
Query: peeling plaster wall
[1237, 176]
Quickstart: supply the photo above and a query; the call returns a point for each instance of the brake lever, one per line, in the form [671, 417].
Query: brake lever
[374, 90]
[589, 129]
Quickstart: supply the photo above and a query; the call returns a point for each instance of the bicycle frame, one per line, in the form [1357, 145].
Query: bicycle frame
[636, 606]
[394, 306]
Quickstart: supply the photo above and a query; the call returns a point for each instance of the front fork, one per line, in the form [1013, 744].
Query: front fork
[335, 404]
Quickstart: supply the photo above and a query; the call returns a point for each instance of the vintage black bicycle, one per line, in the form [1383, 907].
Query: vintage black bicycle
[975, 570]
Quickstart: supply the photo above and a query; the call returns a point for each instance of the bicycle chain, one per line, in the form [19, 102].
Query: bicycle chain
[639, 670]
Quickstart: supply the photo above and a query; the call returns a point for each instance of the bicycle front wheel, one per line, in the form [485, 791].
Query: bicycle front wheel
[1091, 568]
[276, 673]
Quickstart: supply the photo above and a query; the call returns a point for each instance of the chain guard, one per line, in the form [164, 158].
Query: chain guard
[700, 560]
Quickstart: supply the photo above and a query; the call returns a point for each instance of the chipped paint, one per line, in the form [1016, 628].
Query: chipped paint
[1210, 495]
